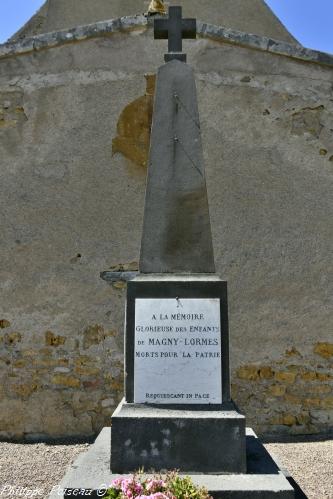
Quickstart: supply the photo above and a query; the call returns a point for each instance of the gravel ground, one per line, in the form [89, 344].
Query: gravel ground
[38, 467]
[310, 464]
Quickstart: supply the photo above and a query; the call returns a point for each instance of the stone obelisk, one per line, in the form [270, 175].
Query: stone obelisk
[176, 233]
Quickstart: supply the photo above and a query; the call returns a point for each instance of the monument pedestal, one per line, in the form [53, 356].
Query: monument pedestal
[177, 412]
[90, 474]
[192, 439]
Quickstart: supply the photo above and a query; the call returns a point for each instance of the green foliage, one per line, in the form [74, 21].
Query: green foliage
[112, 494]
[184, 488]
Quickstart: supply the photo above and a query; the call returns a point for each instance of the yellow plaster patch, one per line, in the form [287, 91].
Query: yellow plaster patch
[324, 350]
[4, 323]
[69, 381]
[266, 372]
[134, 126]
[53, 340]
[24, 390]
[285, 376]
[284, 419]
[248, 372]
[12, 338]
[292, 352]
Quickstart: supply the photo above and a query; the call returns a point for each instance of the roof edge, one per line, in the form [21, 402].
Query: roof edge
[278, 20]
[128, 23]
[34, 23]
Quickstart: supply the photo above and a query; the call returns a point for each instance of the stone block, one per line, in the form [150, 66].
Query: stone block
[195, 439]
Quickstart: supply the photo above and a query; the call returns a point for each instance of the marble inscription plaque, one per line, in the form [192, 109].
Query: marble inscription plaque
[177, 351]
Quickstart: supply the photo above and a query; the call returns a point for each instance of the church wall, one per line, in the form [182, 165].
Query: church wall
[72, 208]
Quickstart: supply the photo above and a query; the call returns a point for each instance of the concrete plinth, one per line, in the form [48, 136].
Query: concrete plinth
[90, 474]
[193, 439]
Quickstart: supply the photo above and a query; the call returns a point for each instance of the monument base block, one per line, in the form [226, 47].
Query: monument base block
[190, 438]
[90, 475]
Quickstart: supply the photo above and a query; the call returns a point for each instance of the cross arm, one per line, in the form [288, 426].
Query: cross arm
[189, 28]
[161, 29]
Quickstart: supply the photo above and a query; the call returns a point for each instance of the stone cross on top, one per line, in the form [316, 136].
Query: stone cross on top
[174, 29]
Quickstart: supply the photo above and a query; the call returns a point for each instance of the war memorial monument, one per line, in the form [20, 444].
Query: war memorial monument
[177, 412]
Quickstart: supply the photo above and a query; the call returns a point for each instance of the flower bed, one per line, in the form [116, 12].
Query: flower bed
[169, 486]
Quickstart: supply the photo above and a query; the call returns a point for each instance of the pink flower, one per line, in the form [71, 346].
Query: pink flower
[159, 495]
[130, 488]
[116, 483]
[154, 485]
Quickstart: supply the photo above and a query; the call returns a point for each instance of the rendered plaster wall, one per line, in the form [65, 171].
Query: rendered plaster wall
[251, 16]
[71, 208]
